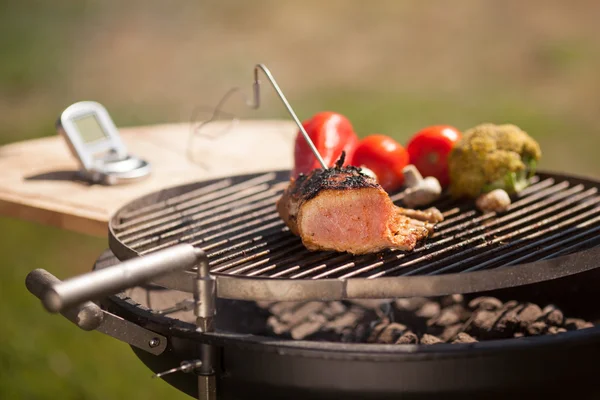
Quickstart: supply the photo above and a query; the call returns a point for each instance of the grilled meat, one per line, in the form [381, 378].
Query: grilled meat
[344, 210]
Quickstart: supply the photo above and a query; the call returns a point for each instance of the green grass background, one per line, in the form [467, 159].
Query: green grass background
[391, 67]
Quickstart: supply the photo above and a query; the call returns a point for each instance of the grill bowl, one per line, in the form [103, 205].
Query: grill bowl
[252, 365]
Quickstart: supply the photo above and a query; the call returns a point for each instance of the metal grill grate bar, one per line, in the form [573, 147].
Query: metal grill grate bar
[320, 262]
[536, 185]
[284, 251]
[281, 245]
[260, 231]
[181, 218]
[252, 222]
[576, 246]
[570, 237]
[189, 206]
[243, 244]
[259, 201]
[171, 201]
[216, 226]
[305, 273]
[246, 246]
[284, 272]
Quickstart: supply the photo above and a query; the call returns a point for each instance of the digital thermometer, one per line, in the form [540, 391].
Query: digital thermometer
[94, 140]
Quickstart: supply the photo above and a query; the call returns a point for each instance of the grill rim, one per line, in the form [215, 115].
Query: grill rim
[329, 289]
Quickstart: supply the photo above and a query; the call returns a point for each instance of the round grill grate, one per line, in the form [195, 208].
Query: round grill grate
[550, 230]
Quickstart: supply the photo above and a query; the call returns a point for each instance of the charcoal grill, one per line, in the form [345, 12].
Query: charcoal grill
[223, 242]
[544, 247]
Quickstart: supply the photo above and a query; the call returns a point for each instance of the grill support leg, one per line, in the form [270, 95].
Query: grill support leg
[205, 310]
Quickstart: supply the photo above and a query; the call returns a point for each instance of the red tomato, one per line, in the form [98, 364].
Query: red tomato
[331, 133]
[429, 149]
[385, 157]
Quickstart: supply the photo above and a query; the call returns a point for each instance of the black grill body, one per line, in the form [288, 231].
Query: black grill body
[251, 365]
[543, 250]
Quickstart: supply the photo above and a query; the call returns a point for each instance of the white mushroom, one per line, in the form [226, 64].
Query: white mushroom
[368, 172]
[419, 191]
[496, 200]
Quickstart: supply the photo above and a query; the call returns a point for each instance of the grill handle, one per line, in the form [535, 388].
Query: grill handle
[88, 316]
[76, 292]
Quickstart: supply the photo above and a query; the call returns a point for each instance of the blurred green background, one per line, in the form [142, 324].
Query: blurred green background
[391, 66]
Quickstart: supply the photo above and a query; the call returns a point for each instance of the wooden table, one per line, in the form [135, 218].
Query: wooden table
[39, 181]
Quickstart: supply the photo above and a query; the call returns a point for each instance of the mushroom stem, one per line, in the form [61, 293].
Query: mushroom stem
[420, 191]
[412, 176]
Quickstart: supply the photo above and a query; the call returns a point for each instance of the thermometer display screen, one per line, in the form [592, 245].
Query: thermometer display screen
[90, 129]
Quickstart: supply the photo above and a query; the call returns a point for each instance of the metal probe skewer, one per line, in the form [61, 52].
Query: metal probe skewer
[256, 104]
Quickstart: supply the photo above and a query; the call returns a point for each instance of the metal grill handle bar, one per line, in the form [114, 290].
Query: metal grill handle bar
[73, 298]
[88, 316]
[101, 283]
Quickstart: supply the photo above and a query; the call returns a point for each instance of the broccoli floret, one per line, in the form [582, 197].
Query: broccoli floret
[489, 157]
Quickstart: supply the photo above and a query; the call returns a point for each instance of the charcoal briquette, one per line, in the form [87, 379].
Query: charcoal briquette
[484, 320]
[577, 323]
[452, 299]
[358, 334]
[536, 328]
[277, 326]
[529, 314]
[554, 317]
[301, 313]
[447, 316]
[485, 303]
[377, 330]
[509, 321]
[463, 337]
[280, 307]
[510, 304]
[305, 329]
[430, 339]
[347, 319]
[410, 304]
[429, 310]
[451, 332]
[390, 333]
[553, 330]
[333, 309]
[408, 337]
